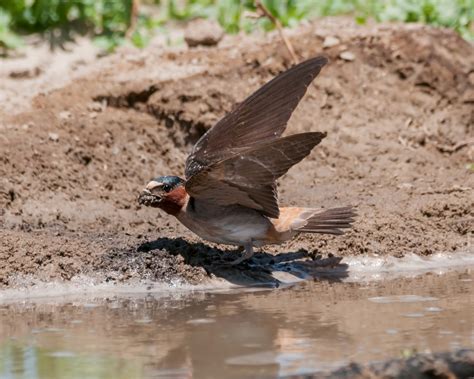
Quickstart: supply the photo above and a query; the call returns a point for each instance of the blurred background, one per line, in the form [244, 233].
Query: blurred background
[112, 23]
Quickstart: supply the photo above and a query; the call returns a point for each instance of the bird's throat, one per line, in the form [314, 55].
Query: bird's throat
[174, 201]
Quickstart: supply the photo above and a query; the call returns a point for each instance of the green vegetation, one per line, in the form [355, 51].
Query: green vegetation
[107, 20]
[19, 359]
[112, 22]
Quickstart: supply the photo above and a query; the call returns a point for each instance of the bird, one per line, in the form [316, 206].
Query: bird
[229, 194]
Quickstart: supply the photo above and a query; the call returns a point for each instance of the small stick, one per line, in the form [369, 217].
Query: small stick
[133, 18]
[278, 25]
[453, 149]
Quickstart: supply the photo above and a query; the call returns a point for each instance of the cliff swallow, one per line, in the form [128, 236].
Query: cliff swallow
[229, 195]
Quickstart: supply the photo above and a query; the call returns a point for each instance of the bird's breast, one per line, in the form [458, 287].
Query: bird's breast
[233, 225]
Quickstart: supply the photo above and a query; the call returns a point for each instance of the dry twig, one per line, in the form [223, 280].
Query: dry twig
[447, 191]
[279, 26]
[133, 18]
[454, 148]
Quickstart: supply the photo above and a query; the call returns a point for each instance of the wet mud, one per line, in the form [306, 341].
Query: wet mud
[458, 364]
[400, 123]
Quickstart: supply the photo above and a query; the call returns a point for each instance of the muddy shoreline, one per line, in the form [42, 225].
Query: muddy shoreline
[71, 167]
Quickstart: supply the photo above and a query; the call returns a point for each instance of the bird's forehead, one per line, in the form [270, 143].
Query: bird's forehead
[153, 184]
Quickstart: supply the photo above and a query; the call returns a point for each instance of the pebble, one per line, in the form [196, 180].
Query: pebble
[64, 115]
[347, 56]
[203, 32]
[96, 106]
[331, 41]
[53, 137]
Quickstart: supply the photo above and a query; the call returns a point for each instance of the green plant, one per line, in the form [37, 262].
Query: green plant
[8, 39]
[110, 21]
[458, 15]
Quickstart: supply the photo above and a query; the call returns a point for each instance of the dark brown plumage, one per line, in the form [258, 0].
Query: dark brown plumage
[238, 160]
[261, 117]
[248, 178]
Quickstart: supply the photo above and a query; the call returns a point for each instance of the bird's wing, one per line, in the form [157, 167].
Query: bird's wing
[261, 117]
[248, 179]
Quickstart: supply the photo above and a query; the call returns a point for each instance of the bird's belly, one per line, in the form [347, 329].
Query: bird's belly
[232, 228]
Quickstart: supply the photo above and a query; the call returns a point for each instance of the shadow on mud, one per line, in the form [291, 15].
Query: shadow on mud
[263, 269]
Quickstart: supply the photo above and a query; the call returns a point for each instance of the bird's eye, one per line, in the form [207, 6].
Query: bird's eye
[166, 187]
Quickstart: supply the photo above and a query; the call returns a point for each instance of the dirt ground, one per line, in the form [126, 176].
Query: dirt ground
[399, 112]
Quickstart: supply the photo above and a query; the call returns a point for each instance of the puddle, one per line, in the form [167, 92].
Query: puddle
[401, 299]
[295, 330]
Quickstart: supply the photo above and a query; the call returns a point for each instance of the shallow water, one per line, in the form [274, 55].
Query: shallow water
[304, 328]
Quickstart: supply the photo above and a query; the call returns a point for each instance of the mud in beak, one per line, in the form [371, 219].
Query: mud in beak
[147, 199]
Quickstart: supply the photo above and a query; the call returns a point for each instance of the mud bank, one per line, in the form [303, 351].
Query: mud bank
[400, 123]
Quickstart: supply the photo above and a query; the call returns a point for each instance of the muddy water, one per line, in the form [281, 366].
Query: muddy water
[304, 328]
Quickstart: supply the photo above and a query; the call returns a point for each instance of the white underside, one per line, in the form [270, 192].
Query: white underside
[228, 231]
[230, 226]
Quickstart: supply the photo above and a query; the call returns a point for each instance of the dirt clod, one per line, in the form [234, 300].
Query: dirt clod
[203, 32]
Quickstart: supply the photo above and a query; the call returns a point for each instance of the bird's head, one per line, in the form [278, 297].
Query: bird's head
[165, 192]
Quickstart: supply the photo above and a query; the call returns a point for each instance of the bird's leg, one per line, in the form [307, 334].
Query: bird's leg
[238, 250]
[246, 255]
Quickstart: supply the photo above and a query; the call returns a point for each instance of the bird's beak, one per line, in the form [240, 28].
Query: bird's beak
[148, 199]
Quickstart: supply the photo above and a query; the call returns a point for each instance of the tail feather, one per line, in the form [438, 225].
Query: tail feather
[330, 221]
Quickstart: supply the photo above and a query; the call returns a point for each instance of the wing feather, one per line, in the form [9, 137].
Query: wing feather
[248, 179]
[263, 116]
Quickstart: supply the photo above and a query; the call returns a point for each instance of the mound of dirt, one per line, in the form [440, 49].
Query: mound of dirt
[400, 120]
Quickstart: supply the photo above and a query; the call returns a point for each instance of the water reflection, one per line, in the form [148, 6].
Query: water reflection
[261, 333]
[32, 362]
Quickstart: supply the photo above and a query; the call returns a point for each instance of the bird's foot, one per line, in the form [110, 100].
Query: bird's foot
[245, 256]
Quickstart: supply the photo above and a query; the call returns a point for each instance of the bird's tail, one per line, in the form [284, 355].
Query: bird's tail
[328, 221]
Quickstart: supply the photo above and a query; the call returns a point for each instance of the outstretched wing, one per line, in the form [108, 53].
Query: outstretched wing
[260, 118]
[248, 179]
